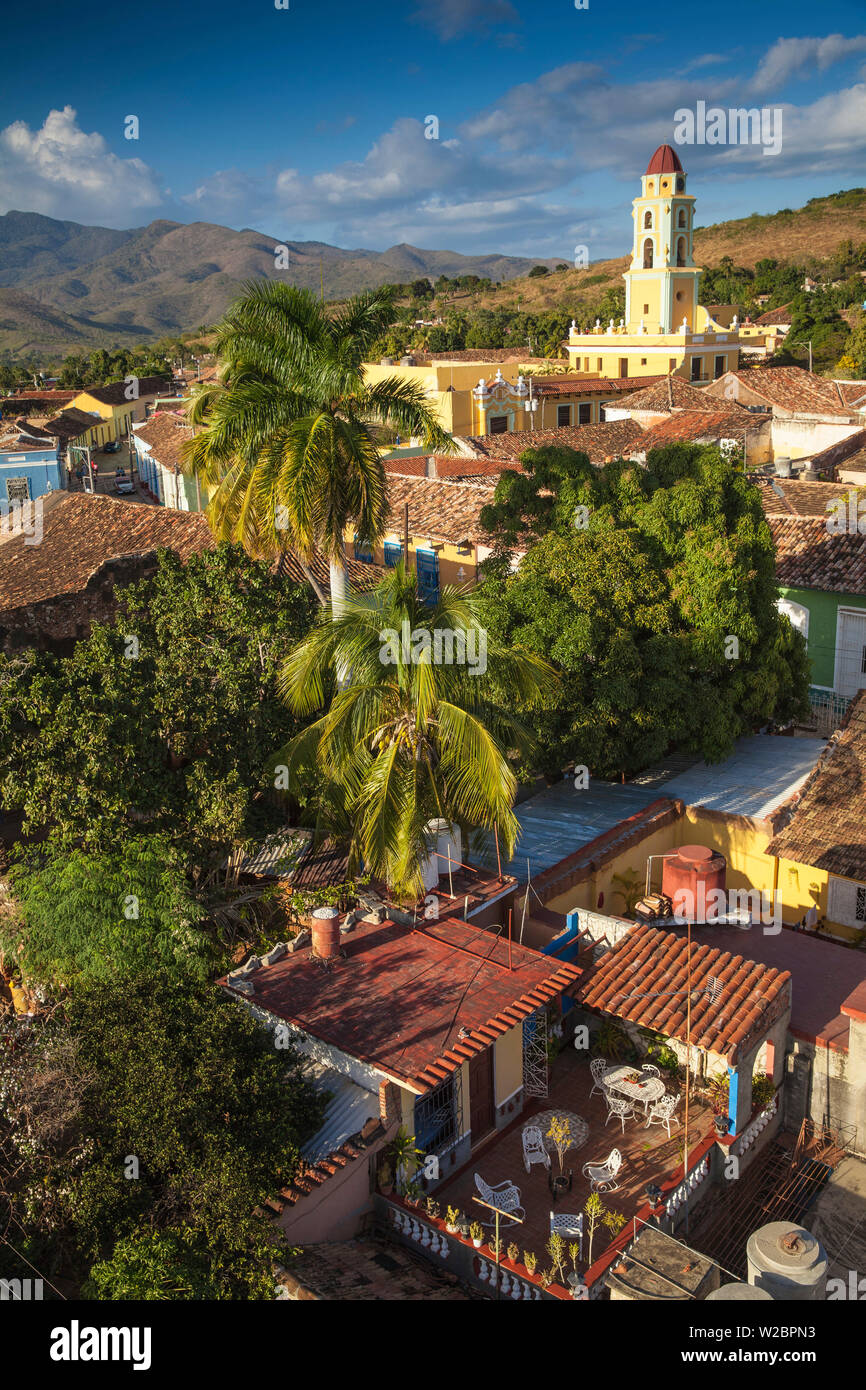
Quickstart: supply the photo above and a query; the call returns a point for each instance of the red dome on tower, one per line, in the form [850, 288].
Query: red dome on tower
[665, 161]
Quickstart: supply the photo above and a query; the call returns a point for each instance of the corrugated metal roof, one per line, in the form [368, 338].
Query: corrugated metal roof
[349, 1109]
[278, 856]
[760, 774]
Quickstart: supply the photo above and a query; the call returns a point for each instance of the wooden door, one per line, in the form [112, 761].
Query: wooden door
[481, 1102]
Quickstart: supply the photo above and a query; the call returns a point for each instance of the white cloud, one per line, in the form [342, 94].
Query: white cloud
[61, 171]
[790, 56]
[451, 18]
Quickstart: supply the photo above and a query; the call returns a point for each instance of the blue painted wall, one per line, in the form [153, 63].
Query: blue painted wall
[42, 469]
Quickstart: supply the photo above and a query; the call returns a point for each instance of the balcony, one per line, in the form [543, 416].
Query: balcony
[649, 1158]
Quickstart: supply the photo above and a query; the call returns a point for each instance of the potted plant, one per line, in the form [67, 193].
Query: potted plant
[718, 1092]
[476, 1232]
[763, 1090]
[452, 1217]
[433, 1208]
[530, 1259]
[405, 1157]
[513, 1252]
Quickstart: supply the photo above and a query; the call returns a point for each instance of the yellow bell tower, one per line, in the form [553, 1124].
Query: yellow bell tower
[661, 284]
[664, 329]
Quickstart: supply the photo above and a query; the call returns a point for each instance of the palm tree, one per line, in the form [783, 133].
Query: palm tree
[412, 737]
[288, 443]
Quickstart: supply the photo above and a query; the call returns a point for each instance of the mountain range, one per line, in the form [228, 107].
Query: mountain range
[65, 287]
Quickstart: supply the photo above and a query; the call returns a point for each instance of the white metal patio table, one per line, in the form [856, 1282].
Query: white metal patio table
[634, 1085]
[578, 1128]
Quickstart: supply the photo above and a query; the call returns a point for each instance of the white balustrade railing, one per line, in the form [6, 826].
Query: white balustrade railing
[430, 1238]
[689, 1185]
[757, 1126]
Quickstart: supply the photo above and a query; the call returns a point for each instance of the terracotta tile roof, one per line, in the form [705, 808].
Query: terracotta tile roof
[789, 389]
[808, 556]
[825, 830]
[601, 442]
[51, 398]
[440, 508]
[853, 393]
[668, 393]
[692, 425]
[413, 1003]
[648, 961]
[14, 441]
[70, 423]
[798, 497]
[590, 386]
[311, 1176]
[775, 316]
[361, 575]
[165, 433]
[458, 469]
[115, 392]
[81, 532]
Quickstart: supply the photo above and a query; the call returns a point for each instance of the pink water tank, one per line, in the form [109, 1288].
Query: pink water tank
[689, 878]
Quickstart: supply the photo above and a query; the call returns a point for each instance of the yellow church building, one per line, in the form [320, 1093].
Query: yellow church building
[665, 329]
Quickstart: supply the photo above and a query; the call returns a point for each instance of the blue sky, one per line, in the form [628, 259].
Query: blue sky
[308, 123]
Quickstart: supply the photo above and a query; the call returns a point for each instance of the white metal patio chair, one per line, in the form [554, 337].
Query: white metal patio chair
[621, 1108]
[566, 1223]
[504, 1196]
[598, 1067]
[602, 1176]
[649, 1070]
[533, 1147]
[661, 1112]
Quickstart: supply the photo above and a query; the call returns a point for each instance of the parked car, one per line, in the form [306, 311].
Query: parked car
[124, 485]
[112, 447]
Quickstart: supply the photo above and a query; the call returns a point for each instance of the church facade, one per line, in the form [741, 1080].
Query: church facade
[665, 329]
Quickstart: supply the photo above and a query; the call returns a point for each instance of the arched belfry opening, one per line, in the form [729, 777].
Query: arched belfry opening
[681, 250]
[648, 219]
[648, 254]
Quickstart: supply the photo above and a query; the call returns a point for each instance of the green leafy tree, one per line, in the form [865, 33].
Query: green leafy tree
[287, 444]
[151, 1265]
[144, 1106]
[103, 915]
[411, 737]
[633, 584]
[162, 721]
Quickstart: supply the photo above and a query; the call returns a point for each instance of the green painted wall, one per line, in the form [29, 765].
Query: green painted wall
[822, 608]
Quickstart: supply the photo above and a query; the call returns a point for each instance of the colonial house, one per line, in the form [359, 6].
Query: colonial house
[118, 405]
[30, 464]
[808, 413]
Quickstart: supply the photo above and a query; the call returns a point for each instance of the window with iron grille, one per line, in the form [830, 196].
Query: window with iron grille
[18, 489]
[584, 414]
[499, 424]
[563, 415]
[393, 553]
[436, 1127]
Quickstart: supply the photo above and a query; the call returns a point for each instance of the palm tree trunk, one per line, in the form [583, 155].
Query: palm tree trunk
[339, 581]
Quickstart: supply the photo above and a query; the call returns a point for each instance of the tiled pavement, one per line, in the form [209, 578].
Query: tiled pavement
[649, 1157]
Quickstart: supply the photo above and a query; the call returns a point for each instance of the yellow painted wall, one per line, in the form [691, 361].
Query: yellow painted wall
[508, 1063]
[450, 561]
[743, 842]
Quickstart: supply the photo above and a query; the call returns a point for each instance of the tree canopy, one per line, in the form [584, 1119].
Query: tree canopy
[163, 720]
[653, 593]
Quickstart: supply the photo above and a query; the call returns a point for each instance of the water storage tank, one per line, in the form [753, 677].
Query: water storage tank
[446, 840]
[739, 1293]
[788, 1261]
[783, 468]
[326, 932]
[689, 877]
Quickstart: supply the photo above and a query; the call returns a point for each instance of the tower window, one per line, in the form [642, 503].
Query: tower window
[648, 219]
[623, 366]
[681, 183]
[681, 221]
[679, 294]
[650, 186]
[681, 250]
[646, 308]
[647, 255]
